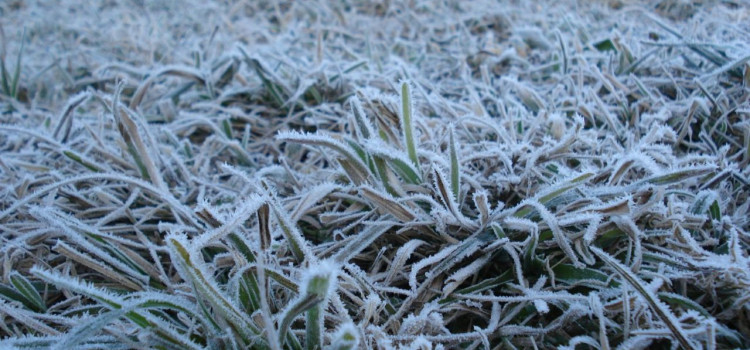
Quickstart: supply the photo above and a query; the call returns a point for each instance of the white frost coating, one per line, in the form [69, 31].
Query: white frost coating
[402, 254]
[362, 125]
[592, 219]
[76, 230]
[247, 208]
[65, 120]
[494, 317]
[482, 205]
[362, 241]
[428, 321]
[372, 304]
[598, 309]
[437, 257]
[85, 330]
[346, 337]
[483, 337]
[389, 204]
[378, 147]
[521, 224]
[556, 125]
[174, 204]
[531, 295]
[560, 237]
[312, 196]
[326, 269]
[627, 224]
[511, 250]
[191, 267]
[318, 139]
[541, 306]
[458, 277]
[77, 286]
[420, 343]
[630, 159]
[240, 174]
[19, 312]
[283, 219]
[578, 340]
[568, 140]
[443, 190]
[577, 218]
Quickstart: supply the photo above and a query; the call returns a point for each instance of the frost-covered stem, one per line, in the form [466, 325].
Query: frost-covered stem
[318, 284]
[314, 329]
[319, 287]
[300, 306]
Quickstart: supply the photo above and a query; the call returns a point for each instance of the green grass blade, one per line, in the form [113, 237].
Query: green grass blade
[396, 159]
[5, 78]
[17, 72]
[27, 290]
[677, 176]
[226, 126]
[683, 302]
[293, 237]
[383, 174]
[407, 123]
[455, 169]
[314, 328]
[526, 210]
[573, 275]
[78, 159]
[319, 284]
[360, 169]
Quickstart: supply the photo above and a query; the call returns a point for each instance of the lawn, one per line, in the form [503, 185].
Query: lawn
[418, 174]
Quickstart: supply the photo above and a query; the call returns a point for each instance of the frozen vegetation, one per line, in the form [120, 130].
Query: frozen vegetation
[374, 175]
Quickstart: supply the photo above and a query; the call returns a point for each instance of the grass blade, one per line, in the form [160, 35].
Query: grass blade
[455, 168]
[17, 72]
[207, 289]
[130, 131]
[296, 242]
[407, 123]
[388, 204]
[358, 167]
[27, 290]
[658, 307]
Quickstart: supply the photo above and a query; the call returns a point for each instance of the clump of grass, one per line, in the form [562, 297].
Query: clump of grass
[431, 182]
[10, 78]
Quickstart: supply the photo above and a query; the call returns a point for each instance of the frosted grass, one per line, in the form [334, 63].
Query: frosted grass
[361, 175]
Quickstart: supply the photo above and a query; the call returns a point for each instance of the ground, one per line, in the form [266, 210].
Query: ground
[354, 174]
